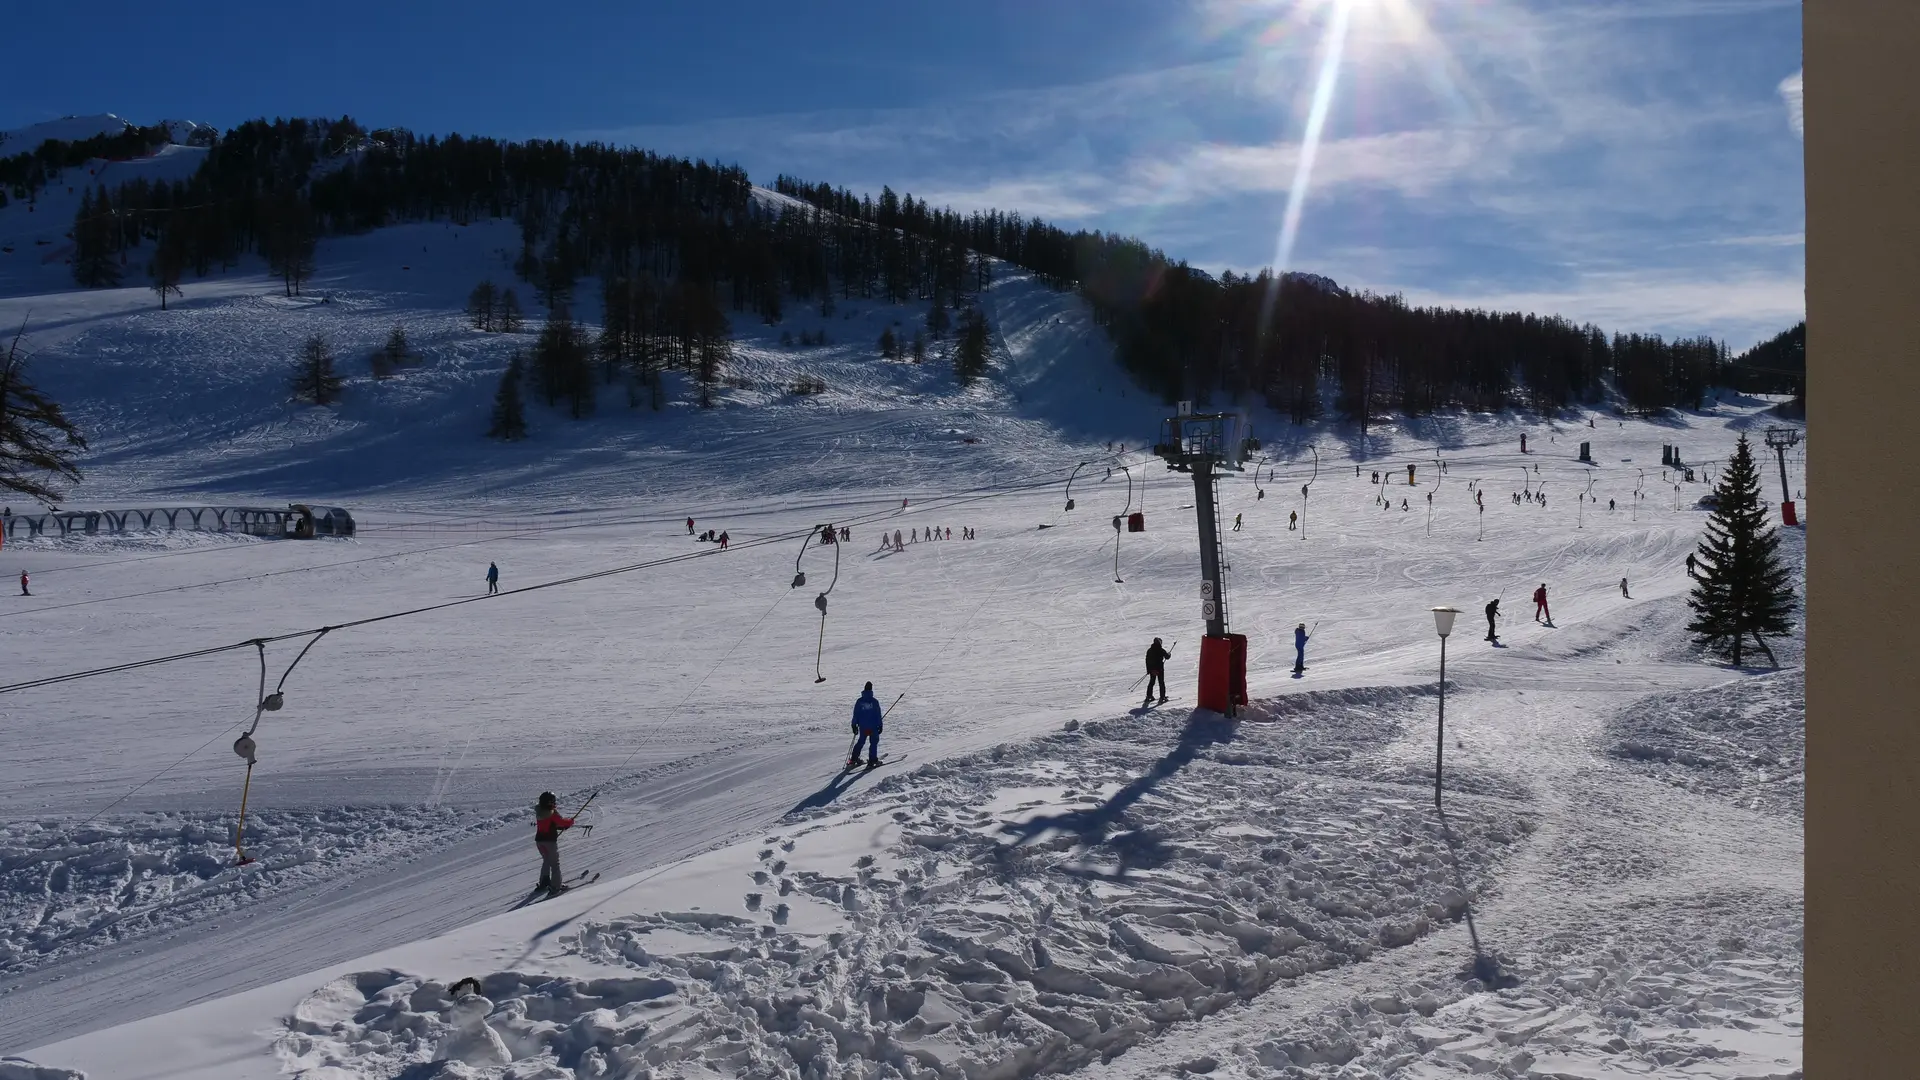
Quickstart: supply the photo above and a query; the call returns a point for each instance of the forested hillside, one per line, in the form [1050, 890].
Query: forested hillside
[674, 243]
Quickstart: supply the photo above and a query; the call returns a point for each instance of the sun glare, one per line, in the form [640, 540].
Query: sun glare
[1344, 33]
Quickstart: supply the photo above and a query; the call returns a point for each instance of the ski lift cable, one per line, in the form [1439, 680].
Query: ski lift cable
[260, 646]
[958, 498]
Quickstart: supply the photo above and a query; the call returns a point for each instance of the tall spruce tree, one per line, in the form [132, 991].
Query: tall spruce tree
[480, 305]
[94, 265]
[507, 318]
[509, 413]
[313, 375]
[1743, 588]
[37, 442]
[970, 356]
[169, 262]
[563, 364]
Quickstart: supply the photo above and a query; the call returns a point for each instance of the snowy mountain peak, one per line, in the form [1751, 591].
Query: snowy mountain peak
[66, 129]
[77, 128]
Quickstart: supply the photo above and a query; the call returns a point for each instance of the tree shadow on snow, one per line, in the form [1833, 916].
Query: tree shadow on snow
[1106, 825]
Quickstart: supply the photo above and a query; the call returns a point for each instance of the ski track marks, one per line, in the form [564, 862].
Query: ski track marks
[1028, 909]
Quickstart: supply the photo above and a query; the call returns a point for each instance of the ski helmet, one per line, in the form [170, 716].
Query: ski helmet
[1156, 641]
[548, 798]
[869, 688]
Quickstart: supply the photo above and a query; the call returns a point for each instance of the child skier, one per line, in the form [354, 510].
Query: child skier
[23, 584]
[493, 578]
[868, 719]
[548, 825]
[1300, 638]
[689, 526]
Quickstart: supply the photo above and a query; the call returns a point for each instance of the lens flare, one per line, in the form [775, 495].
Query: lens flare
[1331, 49]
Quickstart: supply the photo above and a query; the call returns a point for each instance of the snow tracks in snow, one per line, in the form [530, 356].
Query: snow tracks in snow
[1029, 909]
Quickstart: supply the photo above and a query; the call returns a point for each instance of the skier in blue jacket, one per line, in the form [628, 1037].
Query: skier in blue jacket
[1300, 648]
[867, 717]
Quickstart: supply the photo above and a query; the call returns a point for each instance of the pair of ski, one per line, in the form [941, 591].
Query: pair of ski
[868, 766]
[541, 892]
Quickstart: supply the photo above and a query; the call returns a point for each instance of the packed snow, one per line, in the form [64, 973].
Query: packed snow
[1044, 878]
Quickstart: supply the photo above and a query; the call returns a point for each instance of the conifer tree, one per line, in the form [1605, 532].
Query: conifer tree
[709, 335]
[509, 413]
[1743, 588]
[508, 318]
[93, 263]
[970, 357]
[563, 364]
[919, 348]
[313, 375]
[398, 353]
[169, 262]
[480, 305]
[36, 438]
[889, 348]
[937, 318]
[288, 237]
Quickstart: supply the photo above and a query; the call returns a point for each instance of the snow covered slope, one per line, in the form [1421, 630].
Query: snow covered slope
[1046, 881]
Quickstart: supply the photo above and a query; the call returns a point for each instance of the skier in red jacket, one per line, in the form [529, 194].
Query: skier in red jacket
[546, 836]
[1540, 604]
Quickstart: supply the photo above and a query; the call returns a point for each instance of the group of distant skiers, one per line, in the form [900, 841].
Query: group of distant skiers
[710, 536]
[913, 536]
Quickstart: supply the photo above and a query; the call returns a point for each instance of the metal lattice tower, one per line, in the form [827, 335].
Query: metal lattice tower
[1779, 439]
[1205, 444]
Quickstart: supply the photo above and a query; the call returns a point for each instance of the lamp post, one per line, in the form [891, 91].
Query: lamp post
[1484, 967]
[1442, 621]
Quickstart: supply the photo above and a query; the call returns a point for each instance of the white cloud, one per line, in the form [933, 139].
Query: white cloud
[1790, 93]
[1741, 309]
[1413, 163]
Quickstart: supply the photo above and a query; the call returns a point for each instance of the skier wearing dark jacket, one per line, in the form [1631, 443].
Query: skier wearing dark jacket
[1540, 605]
[867, 721]
[1493, 613]
[1300, 639]
[548, 825]
[1157, 658]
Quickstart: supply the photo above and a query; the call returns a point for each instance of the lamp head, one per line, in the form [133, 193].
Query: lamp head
[1443, 619]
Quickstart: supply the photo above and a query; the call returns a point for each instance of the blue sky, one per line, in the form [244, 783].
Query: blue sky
[1632, 162]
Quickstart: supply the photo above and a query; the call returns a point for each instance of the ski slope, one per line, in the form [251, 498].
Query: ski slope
[1048, 880]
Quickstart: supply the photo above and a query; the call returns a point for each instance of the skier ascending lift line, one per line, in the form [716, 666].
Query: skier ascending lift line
[548, 825]
[1623, 589]
[867, 721]
[1157, 658]
[1493, 614]
[23, 584]
[1540, 605]
[1300, 639]
[493, 578]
